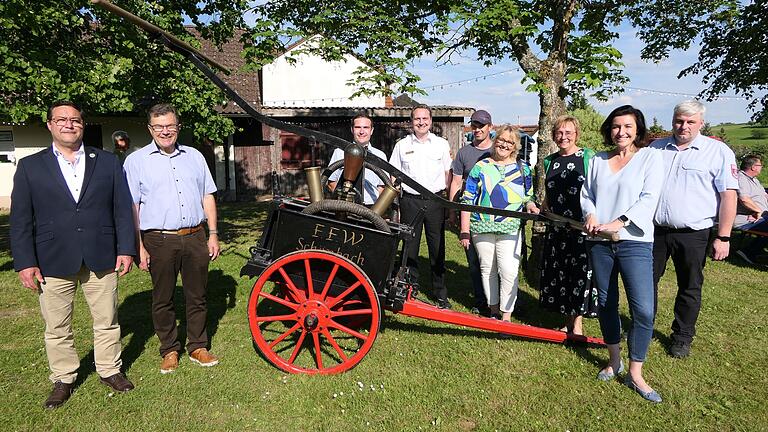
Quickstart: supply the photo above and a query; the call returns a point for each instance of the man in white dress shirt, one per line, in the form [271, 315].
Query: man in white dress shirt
[426, 158]
[362, 130]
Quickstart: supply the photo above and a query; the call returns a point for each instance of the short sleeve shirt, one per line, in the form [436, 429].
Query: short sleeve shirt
[751, 188]
[694, 178]
[425, 162]
[498, 186]
[169, 188]
[466, 158]
[371, 180]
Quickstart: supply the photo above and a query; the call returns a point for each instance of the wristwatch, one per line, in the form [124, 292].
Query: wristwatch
[724, 239]
[625, 220]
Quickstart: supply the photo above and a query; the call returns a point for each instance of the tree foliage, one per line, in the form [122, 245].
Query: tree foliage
[71, 50]
[563, 47]
[590, 121]
[734, 56]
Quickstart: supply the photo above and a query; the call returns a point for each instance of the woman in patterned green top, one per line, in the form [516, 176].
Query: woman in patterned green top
[503, 182]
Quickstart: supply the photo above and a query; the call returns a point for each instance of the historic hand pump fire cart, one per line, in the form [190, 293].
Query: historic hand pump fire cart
[327, 269]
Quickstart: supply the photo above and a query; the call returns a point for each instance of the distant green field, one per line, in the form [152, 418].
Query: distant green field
[745, 138]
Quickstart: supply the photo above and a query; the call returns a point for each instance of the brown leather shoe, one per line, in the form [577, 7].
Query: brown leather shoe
[60, 393]
[202, 357]
[170, 362]
[118, 382]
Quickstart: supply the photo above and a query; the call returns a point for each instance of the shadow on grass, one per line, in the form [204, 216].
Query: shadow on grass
[135, 315]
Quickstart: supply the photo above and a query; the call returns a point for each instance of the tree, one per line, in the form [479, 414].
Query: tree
[70, 50]
[733, 56]
[590, 121]
[656, 128]
[563, 47]
[723, 135]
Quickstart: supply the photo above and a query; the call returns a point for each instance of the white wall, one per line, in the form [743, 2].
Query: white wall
[26, 140]
[313, 82]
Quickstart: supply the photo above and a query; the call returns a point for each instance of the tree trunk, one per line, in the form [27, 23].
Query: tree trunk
[552, 105]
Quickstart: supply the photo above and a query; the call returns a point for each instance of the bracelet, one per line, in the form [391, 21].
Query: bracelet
[213, 231]
[464, 236]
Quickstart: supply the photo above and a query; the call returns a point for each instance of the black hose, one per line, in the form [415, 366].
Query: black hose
[349, 207]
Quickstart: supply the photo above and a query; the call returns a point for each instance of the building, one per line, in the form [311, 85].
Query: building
[257, 160]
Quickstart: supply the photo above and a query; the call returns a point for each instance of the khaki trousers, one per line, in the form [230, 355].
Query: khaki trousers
[57, 301]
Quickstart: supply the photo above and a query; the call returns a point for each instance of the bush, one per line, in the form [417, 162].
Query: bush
[758, 133]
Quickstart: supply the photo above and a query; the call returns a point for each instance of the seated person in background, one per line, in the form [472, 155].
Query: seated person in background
[752, 211]
[362, 129]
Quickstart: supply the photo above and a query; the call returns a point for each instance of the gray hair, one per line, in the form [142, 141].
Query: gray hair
[690, 107]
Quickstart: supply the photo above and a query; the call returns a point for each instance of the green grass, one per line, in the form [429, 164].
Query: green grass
[427, 376]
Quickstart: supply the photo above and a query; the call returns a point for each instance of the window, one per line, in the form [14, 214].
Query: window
[7, 149]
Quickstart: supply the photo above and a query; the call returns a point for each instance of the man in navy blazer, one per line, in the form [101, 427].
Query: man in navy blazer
[72, 223]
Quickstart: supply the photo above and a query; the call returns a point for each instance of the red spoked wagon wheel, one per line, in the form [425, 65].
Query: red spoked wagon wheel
[314, 312]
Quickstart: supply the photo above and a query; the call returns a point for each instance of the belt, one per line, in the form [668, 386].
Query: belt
[666, 229]
[180, 231]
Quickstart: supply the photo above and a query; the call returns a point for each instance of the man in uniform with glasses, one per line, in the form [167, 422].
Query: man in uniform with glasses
[72, 223]
[172, 191]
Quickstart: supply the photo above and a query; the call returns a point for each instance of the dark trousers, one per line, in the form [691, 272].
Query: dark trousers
[688, 249]
[473, 264]
[434, 227]
[170, 255]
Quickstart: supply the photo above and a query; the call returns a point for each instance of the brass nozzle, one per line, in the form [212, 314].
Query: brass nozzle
[314, 183]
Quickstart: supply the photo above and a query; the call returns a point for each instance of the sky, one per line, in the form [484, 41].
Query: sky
[508, 102]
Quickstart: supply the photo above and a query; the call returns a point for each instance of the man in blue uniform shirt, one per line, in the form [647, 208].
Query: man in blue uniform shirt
[700, 188]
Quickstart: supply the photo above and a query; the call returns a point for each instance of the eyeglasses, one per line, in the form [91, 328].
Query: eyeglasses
[504, 143]
[160, 128]
[565, 134]
[77, 122]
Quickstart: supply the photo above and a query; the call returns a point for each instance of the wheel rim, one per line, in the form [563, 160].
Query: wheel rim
[313, 312]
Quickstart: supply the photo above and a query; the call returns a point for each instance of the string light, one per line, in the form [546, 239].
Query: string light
[669, 93]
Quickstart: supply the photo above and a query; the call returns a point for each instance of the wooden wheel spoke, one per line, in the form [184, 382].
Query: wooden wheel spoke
[291, 317]
[310, 284]
[327, 286]
[334, 344]
[318, 353]
[346, 329]
[277, 299]
[344, 294]
[284, 335]
[296, 350]
[335, 314]
[298, 296]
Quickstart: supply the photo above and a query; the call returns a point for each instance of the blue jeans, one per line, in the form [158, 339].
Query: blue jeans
[634, 261]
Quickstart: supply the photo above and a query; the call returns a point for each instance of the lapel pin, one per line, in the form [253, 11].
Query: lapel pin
[92, 155]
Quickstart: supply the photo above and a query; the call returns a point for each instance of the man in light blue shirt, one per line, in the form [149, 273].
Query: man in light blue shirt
[362, 130]
[700, 188]
[172, 191]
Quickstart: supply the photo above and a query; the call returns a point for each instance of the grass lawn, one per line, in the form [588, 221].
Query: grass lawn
[420, 375]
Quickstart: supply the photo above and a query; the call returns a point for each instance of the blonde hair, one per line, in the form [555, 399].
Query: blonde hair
[514, 134]
[563, 119]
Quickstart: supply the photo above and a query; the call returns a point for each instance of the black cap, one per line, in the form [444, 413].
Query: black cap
[482, 117]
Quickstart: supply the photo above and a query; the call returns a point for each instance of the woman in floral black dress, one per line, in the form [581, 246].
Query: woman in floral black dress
[565, 275]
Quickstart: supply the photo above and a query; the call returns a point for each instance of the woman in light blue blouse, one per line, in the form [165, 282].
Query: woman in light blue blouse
[620, 195]
[504, 182]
